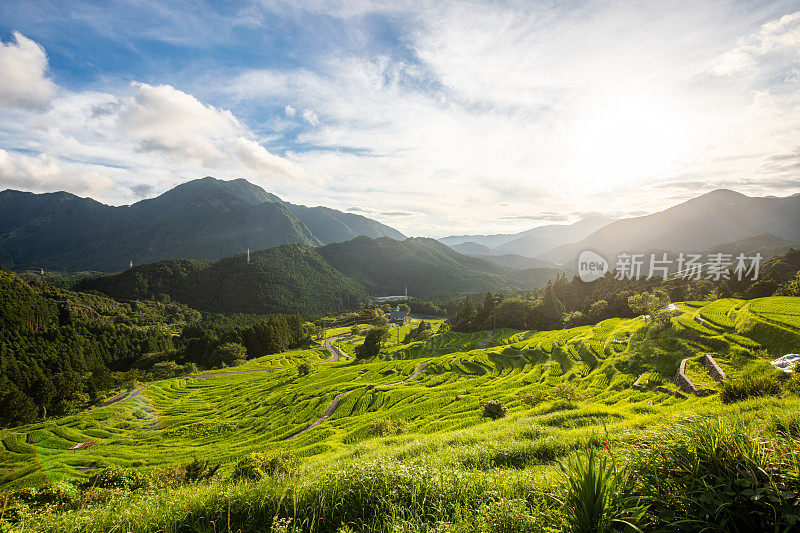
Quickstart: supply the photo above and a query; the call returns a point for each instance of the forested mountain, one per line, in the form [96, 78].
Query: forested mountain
[329, 225]
[427, 267]
[717, 217]
[313, 281]
[766, 244]
[204, 219]
[286, 279]
[56, 347]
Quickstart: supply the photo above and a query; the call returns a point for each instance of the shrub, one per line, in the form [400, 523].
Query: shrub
[565, 391]
[748, 386]
[534, 398]
[200, 470]
[494, 409]
[256, 466]
[303, 369]
[115, 477]
[387, 426]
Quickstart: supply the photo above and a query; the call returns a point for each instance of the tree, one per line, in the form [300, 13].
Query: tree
[598, 311]
[551, 310]
[494, 409]
[464, 319]
[372, 343]
[311, 330]
[648, 303]
[790, 288]
[303, 368]
[485, 312]
[18, 408]
[231, 354]
[515, 313]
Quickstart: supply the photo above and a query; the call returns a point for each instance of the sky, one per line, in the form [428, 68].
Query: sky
[435, 117]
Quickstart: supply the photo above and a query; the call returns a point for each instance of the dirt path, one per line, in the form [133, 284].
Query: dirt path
[331, 408]
[338, 398]
[415, 375]
[485, 341]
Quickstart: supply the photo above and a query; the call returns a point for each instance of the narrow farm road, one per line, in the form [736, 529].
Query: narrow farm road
[328, 412]
[336, 353]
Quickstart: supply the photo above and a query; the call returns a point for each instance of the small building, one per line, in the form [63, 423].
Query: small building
[398, 317]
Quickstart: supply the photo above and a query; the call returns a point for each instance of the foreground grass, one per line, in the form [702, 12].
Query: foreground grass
[387, 486]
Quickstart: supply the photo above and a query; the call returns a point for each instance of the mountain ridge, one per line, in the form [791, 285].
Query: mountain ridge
[203, 219]
[720, 216]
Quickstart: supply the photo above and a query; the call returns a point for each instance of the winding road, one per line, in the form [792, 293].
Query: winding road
[485, 341]
[336, 353]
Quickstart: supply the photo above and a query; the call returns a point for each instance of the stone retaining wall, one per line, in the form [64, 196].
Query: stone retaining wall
[672, 392]
[683, 381]
[716, 373]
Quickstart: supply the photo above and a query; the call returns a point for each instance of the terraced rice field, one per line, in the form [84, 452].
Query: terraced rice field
[561, 387]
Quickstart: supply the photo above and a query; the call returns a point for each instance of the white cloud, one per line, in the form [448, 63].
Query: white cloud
[310, 117]
[176, 124]
[23, 83]
[575, 108]
[43, 173]
[106, 144]
[777, 36]
[492, 110]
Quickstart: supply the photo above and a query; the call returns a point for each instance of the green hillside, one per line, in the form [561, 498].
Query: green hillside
[427, 267]
[408, 443]
[284, 279]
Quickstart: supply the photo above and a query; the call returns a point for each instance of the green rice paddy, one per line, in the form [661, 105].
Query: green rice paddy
[563, 388]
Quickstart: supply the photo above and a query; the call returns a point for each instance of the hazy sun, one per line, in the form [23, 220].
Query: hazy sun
[628, 137]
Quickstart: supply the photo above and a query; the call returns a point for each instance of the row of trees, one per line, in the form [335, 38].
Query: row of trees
[569, 303]
[536, 312]
[226, 343]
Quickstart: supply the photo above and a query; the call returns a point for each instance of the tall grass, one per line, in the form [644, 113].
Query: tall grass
[721, 475]
[599, 496]
[748, 386]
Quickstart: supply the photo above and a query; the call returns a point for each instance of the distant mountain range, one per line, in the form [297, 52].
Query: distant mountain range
[210, 219]
[703, 223]
[204, 219]
[531, 243]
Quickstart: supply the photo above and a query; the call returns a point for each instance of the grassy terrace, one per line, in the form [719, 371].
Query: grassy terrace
[564, 390]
